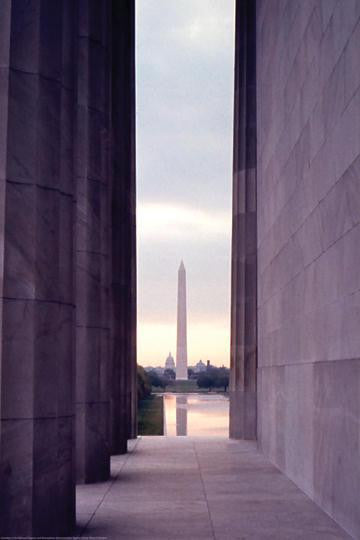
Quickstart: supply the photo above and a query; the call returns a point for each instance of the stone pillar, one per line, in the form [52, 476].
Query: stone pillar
[92, 243]
[123, 398]
[244, 235]
[37, 490]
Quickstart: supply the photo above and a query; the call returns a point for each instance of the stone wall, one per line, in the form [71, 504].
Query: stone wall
[308, 187]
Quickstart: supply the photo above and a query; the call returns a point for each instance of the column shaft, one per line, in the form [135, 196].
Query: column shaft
[244, 232]
[37, 490]
[92, 242]
[124, 380]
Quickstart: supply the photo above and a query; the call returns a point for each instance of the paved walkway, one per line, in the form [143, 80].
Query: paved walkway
[198, 489]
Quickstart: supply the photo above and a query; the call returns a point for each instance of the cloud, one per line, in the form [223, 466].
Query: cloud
[166, 221]
[187, 23]
[185, 68]
[208, 31]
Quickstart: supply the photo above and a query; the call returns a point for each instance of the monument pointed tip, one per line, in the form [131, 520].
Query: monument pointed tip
[182, 266]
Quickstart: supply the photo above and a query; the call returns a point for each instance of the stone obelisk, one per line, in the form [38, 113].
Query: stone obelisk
[181, 345]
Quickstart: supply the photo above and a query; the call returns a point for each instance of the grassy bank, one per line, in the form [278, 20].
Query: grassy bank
[183, 387]
[151, 416]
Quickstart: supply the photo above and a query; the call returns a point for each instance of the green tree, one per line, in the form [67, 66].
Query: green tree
[169, 374]
[205, 380]
[223, 378]
[143, 384]
[214, 377]
[155, 379]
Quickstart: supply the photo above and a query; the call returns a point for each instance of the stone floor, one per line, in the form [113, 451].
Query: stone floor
[198, 489]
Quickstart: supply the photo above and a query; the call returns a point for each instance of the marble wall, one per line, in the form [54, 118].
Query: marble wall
[67, 253]
[308, 187]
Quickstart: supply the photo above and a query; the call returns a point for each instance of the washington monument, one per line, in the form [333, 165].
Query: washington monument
[181, 344]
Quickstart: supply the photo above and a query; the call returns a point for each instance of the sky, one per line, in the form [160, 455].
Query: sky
[184, 86]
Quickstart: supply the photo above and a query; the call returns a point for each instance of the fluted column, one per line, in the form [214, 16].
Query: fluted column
[36, 257]
[244, 230]
[92, 242]
[123, 398]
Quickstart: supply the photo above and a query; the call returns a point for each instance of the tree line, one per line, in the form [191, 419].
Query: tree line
[213, 377]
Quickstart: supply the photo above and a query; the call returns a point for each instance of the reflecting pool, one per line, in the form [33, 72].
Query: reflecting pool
[196, 414]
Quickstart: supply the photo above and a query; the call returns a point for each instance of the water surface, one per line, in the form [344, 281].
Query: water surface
[196, 414]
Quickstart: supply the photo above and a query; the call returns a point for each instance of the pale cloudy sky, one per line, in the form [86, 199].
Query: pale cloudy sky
[184, 160]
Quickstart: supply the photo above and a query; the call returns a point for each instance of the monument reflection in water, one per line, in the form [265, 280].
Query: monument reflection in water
[196, 414]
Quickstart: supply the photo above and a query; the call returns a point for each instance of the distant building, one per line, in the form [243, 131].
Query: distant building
[200, 367]
[170, 362]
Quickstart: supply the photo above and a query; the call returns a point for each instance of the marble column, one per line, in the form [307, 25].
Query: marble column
[123, 290]
[244, 231]
[37, 490]
[92, 242]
